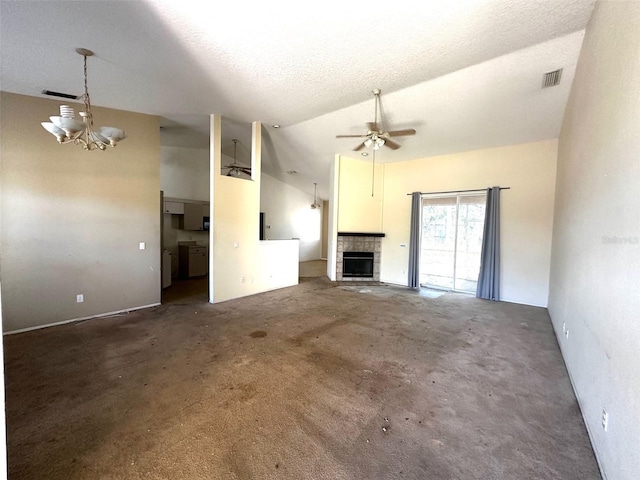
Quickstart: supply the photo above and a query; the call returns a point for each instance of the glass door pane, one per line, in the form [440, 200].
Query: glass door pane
[438, 244]
[469, 242]
[451, 243]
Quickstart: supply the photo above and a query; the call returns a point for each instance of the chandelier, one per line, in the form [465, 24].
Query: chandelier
[69, 130]
[315, 203]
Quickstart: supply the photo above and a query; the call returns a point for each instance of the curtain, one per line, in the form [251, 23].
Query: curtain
[414, 242]
[489, 277]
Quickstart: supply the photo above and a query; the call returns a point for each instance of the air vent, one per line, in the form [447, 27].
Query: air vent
[292, 172]
[551, 79]
[58, 94]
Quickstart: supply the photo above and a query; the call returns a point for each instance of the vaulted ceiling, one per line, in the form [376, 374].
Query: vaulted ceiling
[464, 74]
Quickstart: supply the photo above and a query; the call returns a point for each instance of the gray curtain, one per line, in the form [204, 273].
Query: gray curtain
[489, 277]
[414, 242]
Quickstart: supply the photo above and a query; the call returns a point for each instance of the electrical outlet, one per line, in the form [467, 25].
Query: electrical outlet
[566, 334]
[564, 327]
[605, 420]
[79, 298]
[142, 245]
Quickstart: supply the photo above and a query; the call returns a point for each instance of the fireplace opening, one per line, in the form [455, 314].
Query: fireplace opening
[357, 264]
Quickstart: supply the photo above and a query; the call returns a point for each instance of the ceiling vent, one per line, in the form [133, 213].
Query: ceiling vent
[551, 79]
[58, 94]
[292, 172]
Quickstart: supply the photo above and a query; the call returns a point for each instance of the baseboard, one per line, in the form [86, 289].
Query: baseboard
[63, 322]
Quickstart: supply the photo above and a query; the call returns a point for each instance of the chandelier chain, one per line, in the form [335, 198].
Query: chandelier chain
[87, 99]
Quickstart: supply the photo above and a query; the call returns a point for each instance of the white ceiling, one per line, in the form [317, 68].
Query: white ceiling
[464, 74]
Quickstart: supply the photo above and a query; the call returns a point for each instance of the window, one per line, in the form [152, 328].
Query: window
[451, 242]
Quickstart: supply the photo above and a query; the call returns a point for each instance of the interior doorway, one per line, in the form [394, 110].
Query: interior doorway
[451, 241]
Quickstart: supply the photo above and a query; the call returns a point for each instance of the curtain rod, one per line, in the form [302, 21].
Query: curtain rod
[459, 191]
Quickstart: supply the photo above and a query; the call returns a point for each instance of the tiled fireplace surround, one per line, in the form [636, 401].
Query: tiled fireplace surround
[359, 242]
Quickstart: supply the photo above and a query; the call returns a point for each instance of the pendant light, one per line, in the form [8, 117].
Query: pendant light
[315, 203]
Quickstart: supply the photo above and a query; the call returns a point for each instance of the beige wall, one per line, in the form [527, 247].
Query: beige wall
[526, 210]
[242, 264]
[72, 220]
[358, 210]
[325, 229]
[595, 275]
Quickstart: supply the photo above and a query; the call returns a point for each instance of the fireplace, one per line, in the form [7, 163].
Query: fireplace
[357, 264]
[358, 256]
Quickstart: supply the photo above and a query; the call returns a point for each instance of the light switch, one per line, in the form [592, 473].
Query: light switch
[235, 245]
[143, 245]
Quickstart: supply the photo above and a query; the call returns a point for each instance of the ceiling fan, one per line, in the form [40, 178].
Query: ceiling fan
[376, 137]
[235, 169]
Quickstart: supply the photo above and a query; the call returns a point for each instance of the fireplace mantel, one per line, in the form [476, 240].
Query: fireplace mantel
[360, 234]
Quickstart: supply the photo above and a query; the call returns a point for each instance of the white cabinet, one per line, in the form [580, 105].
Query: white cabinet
[192, 218]
[191, 212]
[193, 260]
[176, 208]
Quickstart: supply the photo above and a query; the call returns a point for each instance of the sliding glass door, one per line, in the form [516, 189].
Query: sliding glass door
[451, 241]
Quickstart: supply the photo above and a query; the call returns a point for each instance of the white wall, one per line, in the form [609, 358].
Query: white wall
[595, 275]
[184, 172]
[288, 215]
[72, 219]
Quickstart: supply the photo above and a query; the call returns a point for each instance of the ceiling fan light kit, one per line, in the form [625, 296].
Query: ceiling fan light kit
[67, 129]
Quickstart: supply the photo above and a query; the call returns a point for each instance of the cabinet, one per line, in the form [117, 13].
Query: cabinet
[192, 218]
[193, 260]
[191, 213]
[174, 208]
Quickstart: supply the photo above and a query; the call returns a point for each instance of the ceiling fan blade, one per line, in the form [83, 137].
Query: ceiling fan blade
[359, 147]
[400, 133]
[392, 145]
[236, 167]
[373, 126]
[350, 136]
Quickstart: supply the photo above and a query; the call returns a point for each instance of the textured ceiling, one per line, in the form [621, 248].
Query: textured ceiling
[465, 74]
